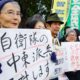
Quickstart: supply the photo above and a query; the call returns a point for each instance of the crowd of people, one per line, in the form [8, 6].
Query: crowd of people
[10, 17]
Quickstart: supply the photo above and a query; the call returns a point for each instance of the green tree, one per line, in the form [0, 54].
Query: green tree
[31, 7]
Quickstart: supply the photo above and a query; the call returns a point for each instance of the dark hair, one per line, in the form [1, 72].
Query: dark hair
[78, 33]
[65, 28]
[32, 21]
[31, 24]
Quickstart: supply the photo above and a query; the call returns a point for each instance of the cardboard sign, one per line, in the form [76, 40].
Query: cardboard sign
[24, 54]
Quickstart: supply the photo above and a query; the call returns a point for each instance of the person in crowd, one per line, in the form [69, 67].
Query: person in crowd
[10, 14]
[66, 28]
[53, 23]
[71, 36]
[78, 34]
[35, 22]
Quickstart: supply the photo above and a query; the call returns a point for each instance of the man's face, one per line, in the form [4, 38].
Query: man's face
[54, 27]
[10, 16]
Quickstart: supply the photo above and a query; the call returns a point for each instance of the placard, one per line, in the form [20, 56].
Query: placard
[25, 54]
[72, 55]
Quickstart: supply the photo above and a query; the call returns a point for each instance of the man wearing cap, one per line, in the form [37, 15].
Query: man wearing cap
[53, 23]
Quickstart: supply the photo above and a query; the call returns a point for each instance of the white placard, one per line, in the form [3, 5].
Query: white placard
[24, 54]
[72, 55]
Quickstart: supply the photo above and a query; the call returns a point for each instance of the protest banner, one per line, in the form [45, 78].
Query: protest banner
[61, 8]
[25, 55]
[72, 55]
[74, 14]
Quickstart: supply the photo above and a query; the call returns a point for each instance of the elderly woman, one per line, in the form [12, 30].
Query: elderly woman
[10, 14]
[71, 36]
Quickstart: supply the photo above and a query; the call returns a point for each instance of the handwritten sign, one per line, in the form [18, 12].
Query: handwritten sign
[24, 54]
[72, 55]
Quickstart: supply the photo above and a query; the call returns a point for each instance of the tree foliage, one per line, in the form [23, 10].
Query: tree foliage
[31, 7]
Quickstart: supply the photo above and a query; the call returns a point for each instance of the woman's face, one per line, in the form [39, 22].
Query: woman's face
[71, 37]
[10, 15]
[39, 25]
